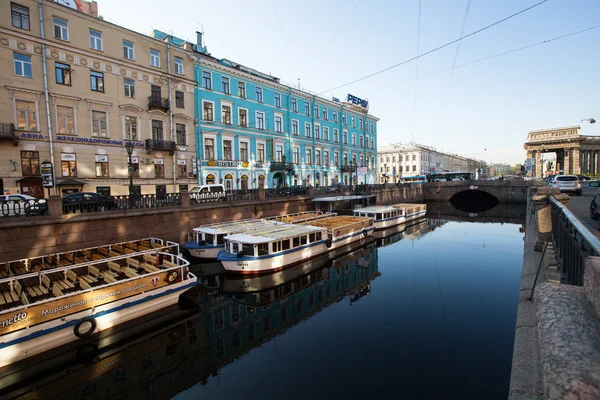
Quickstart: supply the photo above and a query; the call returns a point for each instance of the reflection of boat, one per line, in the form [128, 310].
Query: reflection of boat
[388, 216]
[360, 293]
[51, 308]
[392, 235]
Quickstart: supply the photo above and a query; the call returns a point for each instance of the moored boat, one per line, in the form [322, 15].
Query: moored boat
[298, 218]
[344, 230]
[49, 308]
[388, 216]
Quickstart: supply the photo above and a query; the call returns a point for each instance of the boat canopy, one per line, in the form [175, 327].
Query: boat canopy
[282, 232]
[338, 198]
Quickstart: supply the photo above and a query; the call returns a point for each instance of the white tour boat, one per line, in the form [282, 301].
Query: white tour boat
[298, 218]
[49, 308]
[388, 216]
[343, 230]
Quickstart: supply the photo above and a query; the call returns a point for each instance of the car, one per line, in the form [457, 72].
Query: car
[205, 193]
[584, 178]
[22, 204]
[334, 188]
[87, 202]
[567, 183]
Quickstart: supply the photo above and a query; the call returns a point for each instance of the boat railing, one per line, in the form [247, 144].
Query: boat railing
[181, 265]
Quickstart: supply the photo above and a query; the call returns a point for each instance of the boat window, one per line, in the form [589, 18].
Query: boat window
[318, 235]
[296, 241]
[276, 247]
[221, 239]
[209, 238]
[312, 237]
[248, 249]
[263, 249]
[286, 244]
[303, 240]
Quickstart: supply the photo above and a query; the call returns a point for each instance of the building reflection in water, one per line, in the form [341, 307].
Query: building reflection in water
[172, 350]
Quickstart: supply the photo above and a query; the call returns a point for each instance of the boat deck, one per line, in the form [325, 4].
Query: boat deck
[233, 226]
[277, 232]
[301, 217]
[409, 208]
[333, 224]
[47, 284]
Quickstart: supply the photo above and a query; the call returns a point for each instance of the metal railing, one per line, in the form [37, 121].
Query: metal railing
[242, 194]
[158, 102]
[147, 201]
[573, 243]
[24, 208]
[166, 145]
[286, 191]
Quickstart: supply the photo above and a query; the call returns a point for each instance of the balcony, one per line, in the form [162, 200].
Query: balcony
[158, 103]
[160, 145]
[347, 168]
[7, 132]
[282, 166]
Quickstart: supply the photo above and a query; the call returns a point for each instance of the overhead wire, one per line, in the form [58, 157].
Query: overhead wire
[417, 60]
[462, 32]
[344, 24]
[436, 48]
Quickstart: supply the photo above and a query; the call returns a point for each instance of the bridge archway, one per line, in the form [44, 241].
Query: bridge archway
[473, 201]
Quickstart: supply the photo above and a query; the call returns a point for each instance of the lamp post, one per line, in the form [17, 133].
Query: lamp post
[284, 171]
[385, 173]
[129, 149]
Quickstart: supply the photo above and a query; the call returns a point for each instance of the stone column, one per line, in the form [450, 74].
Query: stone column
[536, 171]
[597, 162]
[583, 162]
[576, 161]
[55, 208]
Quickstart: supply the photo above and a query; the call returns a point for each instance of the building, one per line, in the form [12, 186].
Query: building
[499, 169]
[76, 89]
[256, 132]
[398, 160]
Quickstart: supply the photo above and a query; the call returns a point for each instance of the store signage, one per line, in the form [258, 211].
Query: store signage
[77, 139]
[180, 162]
[357, 101]
[232, 164]
[159, 161]
[47, 174]
[361, 171]
[134, 160]
[68, 157]
[101, 158]
[194, 165]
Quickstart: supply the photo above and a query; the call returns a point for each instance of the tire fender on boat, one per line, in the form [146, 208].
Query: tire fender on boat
[328, 243]
[364, 232]
[81, 328]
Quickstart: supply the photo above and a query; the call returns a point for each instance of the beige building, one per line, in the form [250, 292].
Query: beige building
[77, 91]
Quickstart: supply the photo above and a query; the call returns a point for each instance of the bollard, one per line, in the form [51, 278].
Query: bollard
[55, 208]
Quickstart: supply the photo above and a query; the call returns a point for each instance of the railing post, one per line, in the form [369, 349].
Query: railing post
[311, 191]
[55, 208]
[262, 194]
[184, 197]
[542, 210]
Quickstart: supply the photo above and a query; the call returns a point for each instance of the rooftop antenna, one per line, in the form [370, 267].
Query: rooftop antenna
[298, 83]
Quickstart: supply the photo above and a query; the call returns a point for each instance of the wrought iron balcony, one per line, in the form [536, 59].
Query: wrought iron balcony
[347, 168]
[7, 131]
[160, 145]
[157, 102]
[282, 166]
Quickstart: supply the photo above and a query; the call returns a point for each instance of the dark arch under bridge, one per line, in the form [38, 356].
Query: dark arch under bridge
[503, 191]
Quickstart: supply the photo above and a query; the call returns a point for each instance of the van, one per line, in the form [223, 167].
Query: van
[205, 193]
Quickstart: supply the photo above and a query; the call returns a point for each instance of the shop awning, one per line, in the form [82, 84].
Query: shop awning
[30, 179]
[72, 182]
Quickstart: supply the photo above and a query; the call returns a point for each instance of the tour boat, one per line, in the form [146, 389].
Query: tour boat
[206, 241]
[298, 218]
[86, 256]
[49, 308]
[388, 216]
[273, 249]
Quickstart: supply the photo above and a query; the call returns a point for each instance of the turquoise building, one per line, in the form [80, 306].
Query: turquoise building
[252, 131]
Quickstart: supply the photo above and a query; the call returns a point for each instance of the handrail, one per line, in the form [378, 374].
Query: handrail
[573, 243]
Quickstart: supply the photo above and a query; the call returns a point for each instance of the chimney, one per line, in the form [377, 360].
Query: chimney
[199, 39]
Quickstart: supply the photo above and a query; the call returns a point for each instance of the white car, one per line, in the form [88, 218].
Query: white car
[567, 183]
[21, 204]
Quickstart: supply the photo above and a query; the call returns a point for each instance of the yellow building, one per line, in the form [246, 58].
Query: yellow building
[75, 88]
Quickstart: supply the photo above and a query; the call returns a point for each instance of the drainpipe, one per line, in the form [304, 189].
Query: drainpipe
[289, 135]
[45, 72]
[314, 153]
[171, 118]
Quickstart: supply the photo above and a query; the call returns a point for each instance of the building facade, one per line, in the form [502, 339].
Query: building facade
[398, 160]
[76, 89]
[255, 132]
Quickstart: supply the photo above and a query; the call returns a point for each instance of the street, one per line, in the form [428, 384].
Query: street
[580, 205]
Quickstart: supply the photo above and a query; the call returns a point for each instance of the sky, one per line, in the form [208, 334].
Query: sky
[482, 110]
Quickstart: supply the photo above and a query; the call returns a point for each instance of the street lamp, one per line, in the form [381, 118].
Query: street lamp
[129, 149]
[284, 171]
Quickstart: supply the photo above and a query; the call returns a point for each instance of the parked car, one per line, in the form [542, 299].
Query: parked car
[87, 202]
[334, 188]
[584, 178]
[22, 204]
[292, 190]
[567, 183]
[205, 193]
[595, 206]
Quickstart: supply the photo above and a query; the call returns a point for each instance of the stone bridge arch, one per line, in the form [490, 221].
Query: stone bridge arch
[504, 191]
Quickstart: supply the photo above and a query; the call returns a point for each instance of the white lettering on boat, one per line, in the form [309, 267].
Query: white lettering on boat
[131, 289]
[14, 319]
[65, 307]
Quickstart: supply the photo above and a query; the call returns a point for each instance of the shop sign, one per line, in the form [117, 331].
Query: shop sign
[231, 164]
[194, 165]
[361, 171]
[180, 162]
[68, 157]
[101, 158]
[159, 161]
[77, 139]
[47, 174]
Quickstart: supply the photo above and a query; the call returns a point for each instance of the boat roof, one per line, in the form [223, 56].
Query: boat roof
[388, 208]
[338, 198]
[277, 233]
[233, 226]
[301, 216]
[337, 221]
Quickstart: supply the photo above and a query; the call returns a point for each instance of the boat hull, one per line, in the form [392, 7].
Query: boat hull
[24, 343]
[390, 222]
[202, 252]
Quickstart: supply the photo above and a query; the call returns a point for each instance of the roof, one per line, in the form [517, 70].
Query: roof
[75, 182]
[282, 231]
[375, 209]
[339, 198]
[229, 226]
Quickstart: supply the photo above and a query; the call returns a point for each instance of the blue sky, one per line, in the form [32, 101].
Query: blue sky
[484, 111]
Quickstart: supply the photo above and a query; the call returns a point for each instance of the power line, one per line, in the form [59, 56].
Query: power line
[344, 24]
[280, 26]
[490, 57]
[417, 61]
[437, 48]
[462, 32]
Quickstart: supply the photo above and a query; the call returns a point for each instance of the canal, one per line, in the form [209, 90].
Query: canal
[428, 312]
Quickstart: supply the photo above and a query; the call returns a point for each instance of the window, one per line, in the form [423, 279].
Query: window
[227, 153]
[129, 85]
[414, 168]
[131, 128]
[99, 127]
[206, 80]
[344, 119]
[336, 159]
[306, 108]
[225, 85]
[345, 134]
[260, 120]
[259, 95]
[179, 103]
[226, 114]
[335, 135]
[414, 157]
[242, 117]
[307, 131]
[277, 100]
[354, 139]
[326, 158]
[316, 111]
[360, 124]
[157, 130]
[325, 133]
[20, 16]
[208, 112]
[242, 90]
[159, 167]
[308, 156]
[63, 73]
[65, 120]
[23, 65]
[318, 157]
[372, 143]
[278, 124]
[179, 66]
[26, 115]
[95, 40]
[68, 164]
[317, 132]
[278, 152]
[155, 58]
[209, 149]
[180, 134]
[296, 155]
[135, 169]
[335, 116]
[102, 166]
[128, 50]
[367, 125]
[260, 152]
[294, 105]
[97, 81]
[295, 127]
[352, 121]
[30, 163]
[61, 29]
[243, 151]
